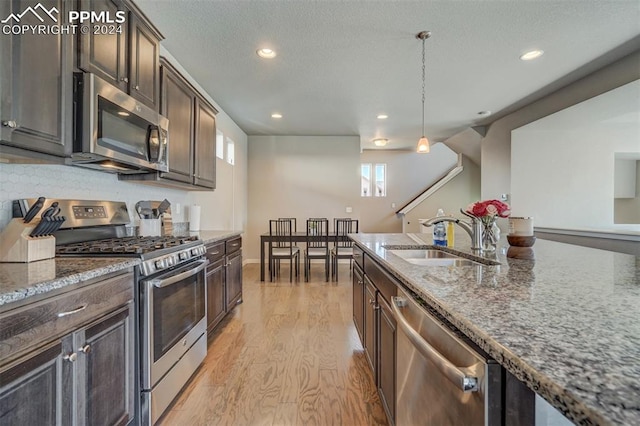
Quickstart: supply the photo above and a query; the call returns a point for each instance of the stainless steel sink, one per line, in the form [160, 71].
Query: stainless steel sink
[432, 257]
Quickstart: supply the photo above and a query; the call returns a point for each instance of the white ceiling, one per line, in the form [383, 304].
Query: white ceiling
[341, 63]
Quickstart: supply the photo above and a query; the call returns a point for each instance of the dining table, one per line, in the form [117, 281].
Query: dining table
[296, 237]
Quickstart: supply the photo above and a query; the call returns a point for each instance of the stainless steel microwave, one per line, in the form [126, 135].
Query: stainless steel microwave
[114, 132]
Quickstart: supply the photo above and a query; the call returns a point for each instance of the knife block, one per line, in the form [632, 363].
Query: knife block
[17, 246]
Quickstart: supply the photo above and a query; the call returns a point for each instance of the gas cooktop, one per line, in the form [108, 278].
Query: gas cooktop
[124, 245]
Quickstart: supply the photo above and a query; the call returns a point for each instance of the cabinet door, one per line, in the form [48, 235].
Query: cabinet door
[32, 390]
[105, 380]
[106, 55]
[216, 303]
[205, 146]
[387, 360]
[178, 105]
[358, 301]
[145, 67]
[35, 107]
[370, 326]
[234, 279]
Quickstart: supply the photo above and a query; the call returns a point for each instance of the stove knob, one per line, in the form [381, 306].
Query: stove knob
[171, 261]
[184, 255]
[159, 264]
[194, 252]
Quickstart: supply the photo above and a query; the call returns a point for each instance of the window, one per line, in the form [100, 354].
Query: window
[230, 151]
[365, 180]
[219, 144]
[373, 180]
[381, 180]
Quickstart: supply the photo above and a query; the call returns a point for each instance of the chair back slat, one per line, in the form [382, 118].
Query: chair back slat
[345, 226]
[318, 233]
[281, 228]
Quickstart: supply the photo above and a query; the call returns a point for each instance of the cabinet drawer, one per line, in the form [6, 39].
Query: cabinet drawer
[381, 279]
[358, 256]
[38, 323]
[215, 252]
[234, 245]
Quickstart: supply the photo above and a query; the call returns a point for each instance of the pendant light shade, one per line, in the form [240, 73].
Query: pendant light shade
[423, 143]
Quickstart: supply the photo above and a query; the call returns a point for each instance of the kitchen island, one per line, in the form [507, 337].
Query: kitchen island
[566, 323]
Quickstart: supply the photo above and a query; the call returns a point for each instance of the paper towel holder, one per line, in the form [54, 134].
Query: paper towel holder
[194, 218]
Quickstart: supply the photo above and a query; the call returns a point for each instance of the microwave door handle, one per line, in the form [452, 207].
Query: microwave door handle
[154, 144]
[172, 279]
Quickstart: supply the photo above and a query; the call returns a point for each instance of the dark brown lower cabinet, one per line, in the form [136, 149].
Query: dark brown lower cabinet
[234, 279]
[105, 370]
[370, 326]
[358, 299]
[224, 280]
[84, 378]
[376, 326]
[37, 379]
[216, 294]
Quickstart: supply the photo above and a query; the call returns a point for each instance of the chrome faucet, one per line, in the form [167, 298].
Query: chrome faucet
[473, 227]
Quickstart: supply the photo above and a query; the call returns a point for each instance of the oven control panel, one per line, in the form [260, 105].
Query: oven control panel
[89, 212]
[168, 261]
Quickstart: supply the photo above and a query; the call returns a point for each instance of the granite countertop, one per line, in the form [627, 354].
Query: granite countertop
[19, 281]
[566, 323]
[209, 237]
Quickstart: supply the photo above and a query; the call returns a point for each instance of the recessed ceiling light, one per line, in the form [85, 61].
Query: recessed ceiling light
[532, 54]
[380, 142]
[276, 115]
[484, 113]
[266, 53]
[382, 116]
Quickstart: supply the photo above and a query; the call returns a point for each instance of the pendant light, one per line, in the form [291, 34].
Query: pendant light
[423, 143]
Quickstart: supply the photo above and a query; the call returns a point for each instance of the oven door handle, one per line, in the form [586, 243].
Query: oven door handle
[172, 279]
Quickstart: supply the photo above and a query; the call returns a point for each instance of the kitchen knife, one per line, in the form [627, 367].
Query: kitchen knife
[50, 224]
[33, 211]
[39, 229]
[52, 210]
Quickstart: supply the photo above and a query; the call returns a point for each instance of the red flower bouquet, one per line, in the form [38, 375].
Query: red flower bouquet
[487, 210]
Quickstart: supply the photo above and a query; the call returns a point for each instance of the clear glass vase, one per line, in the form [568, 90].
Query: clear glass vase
[490, 234]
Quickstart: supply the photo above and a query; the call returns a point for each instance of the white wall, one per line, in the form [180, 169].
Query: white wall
[496, 145]
[408, 174]
[301, 177]
[313, 176]
[457, 193]
[562, 166]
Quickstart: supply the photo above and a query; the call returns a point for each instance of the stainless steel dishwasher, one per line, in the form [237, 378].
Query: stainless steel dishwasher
[440, 379]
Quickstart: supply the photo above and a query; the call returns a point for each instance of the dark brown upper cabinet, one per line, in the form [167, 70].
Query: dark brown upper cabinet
[126, 55]
[36, 89]
[205, 145]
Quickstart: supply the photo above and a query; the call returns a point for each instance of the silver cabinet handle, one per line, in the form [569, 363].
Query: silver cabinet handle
[453, 373]
[74, 311]
[125, 79]
[137, 87]
[85, 349]
[12, 124]
[72, 357]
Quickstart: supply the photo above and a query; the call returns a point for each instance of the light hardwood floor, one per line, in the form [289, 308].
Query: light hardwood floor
[288, 355]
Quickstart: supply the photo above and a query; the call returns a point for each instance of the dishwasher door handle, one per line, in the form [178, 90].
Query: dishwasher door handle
[453, 373]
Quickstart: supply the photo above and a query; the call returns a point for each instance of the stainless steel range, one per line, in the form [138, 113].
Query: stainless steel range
[170, 292]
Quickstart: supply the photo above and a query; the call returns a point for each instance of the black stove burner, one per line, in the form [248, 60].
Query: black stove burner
[126, 245]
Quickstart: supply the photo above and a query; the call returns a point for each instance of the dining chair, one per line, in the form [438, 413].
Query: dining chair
[317, 245]
[281, 247]
[343, 245]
